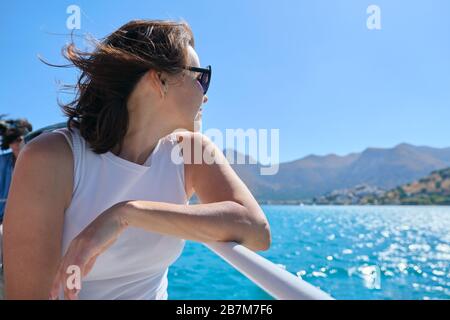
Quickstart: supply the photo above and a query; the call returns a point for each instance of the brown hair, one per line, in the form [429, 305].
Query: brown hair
[11, 129]
[110, 73]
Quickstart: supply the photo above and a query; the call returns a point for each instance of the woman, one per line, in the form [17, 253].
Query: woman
[12, 133]
[106, 201]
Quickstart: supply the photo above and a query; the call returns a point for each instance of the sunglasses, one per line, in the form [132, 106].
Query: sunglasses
[204, 77]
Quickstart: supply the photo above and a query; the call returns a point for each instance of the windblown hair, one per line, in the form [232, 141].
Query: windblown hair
[110, 72]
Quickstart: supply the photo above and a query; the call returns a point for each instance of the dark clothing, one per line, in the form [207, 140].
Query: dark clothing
[6, 170]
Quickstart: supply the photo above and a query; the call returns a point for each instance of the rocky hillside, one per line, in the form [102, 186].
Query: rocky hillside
[432, 189]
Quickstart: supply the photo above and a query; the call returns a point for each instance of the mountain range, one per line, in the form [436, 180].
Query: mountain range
[313, 175]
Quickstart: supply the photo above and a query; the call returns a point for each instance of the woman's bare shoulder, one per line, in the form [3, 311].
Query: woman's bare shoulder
[49, 155]
[49, 143]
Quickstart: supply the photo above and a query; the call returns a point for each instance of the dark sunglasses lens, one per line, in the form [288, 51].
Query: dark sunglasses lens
[205, 82]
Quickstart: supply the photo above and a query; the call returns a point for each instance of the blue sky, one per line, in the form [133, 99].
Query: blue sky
[309, 68]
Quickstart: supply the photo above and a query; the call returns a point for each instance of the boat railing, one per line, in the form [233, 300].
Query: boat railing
[276, 281]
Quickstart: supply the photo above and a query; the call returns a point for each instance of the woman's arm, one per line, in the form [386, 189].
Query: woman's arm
[40, 190]
[218, 221]
[230, 213]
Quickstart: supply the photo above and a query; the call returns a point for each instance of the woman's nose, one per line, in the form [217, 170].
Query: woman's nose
[205, 99]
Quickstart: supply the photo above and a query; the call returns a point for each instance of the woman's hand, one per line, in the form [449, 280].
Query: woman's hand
[84, 249]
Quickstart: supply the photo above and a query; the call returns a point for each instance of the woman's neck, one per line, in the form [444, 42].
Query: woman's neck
[145, 129]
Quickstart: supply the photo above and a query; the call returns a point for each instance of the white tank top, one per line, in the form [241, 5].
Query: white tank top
[136, 265]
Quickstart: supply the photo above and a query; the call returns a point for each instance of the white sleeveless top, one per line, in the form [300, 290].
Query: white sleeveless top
[136, 265]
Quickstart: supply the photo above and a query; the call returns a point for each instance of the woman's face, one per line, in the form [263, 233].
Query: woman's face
[185, 96]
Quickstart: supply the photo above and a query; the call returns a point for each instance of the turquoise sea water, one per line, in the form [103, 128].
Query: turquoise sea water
[351, 252]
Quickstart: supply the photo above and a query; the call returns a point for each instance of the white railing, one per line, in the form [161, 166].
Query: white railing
[277, 282]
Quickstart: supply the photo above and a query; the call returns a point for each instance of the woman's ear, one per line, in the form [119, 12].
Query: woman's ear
[157, 81]
[164, 83]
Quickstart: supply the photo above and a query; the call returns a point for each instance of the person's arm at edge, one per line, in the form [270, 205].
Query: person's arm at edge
[39, 193]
